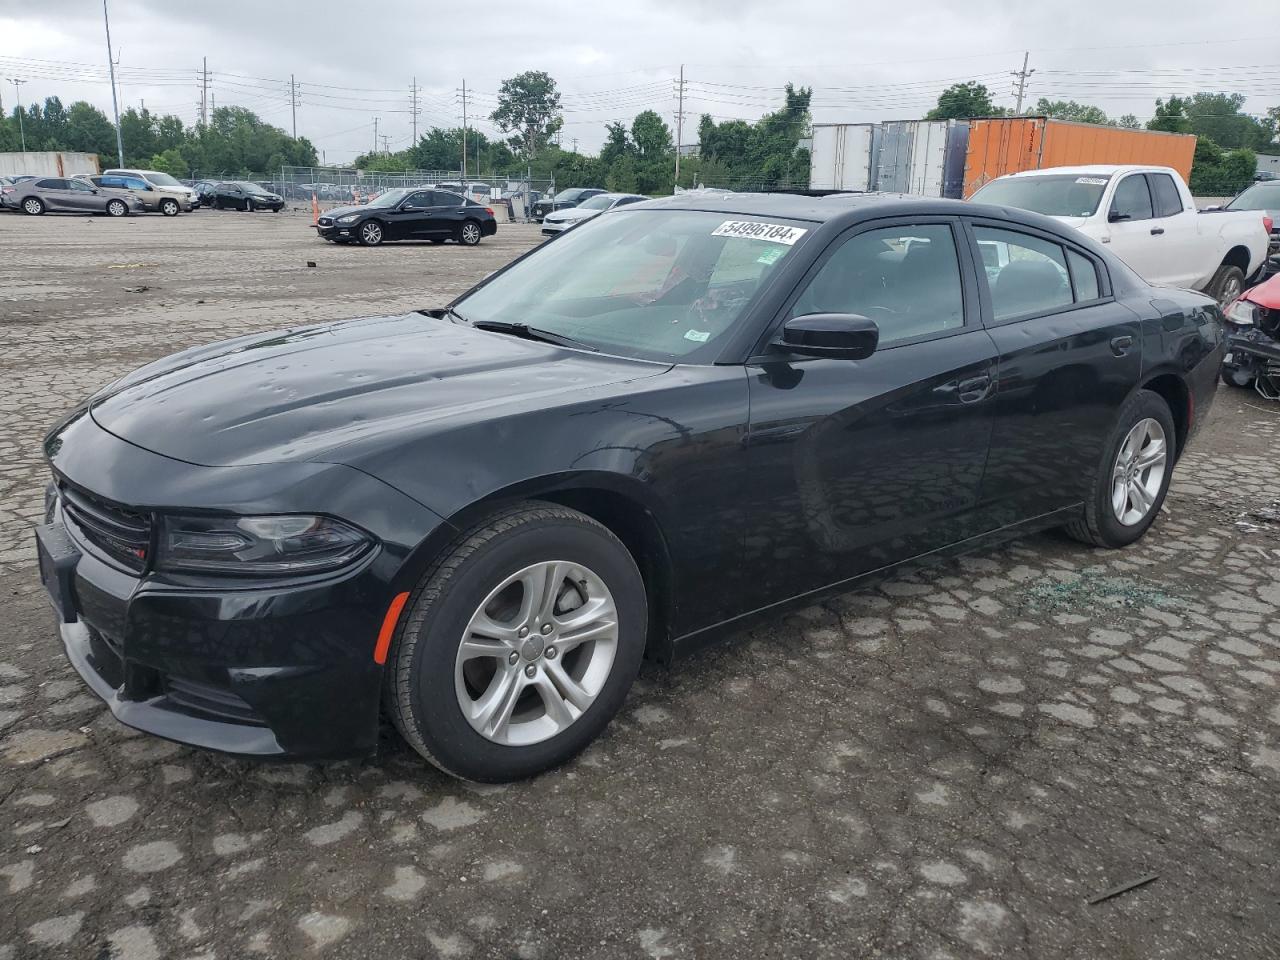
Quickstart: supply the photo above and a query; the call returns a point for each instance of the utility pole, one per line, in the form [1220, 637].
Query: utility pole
[18, 95]
[204, 92]
[464, 133]
[575, 144]
[679, 121]
[375, 134]
[386, 140]
[413, 96]
[293, 103]
[1022, 76]
[115, 104]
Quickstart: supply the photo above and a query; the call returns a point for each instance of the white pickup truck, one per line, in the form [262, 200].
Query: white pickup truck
[1146, 215]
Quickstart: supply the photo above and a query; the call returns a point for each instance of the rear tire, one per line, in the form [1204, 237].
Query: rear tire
[1101, 525]
[169, 208]
[1226, 285]
[33, 206]
[117, 208]
[469, 233]
[431, 678]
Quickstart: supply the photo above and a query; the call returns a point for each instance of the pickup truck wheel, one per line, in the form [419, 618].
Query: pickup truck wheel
[1226, 284]
[1132, 477]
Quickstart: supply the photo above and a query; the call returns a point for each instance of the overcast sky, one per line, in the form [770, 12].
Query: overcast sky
[356, 61]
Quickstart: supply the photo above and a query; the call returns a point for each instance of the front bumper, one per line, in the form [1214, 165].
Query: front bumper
[259, 669]
[552, 227]
[1248, 351]
[335, 231]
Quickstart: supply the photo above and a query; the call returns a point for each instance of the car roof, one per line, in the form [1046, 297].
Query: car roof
[817, 209]
[1094, 169]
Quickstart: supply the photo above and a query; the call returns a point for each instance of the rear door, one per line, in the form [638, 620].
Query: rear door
[1069, 355]
[1134, 235]
[447, 213]
[1176, 232]
[55, 193]
[859, 464]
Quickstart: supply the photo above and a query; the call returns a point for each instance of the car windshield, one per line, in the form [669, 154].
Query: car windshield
[598, 202]
[1066, 195]
[1261, 196]
[163, 180]
[248, 187]
[390, 198]
[654, 284]
[571, 194]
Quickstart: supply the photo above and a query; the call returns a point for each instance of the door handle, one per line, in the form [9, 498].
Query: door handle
[1156, 231]
[1120, 345]
[974, 389]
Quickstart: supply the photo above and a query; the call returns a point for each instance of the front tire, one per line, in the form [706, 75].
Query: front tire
[520, 644]
[371, 233]
[33, 206]
[469, 233]
[169, 208]
[1133, 476]
[117, 208]
[1226, 285]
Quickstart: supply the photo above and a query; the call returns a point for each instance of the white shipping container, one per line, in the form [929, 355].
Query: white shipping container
[912, 157]
[842, 157]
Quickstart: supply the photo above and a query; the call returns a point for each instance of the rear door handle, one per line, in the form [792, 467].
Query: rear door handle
[1120, 345]
[974, 389]
[1156, 231]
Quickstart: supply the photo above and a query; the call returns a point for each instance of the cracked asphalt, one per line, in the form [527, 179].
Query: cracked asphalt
[949, 765]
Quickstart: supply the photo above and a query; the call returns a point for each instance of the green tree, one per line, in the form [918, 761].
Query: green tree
[1129, 122]
[651, 135]
[960, 100]
[1216, 172]
[170, 162]
[88, 130]
[617, 143]
[622, 176]
[1069, 110]
[1218, 117]
[529, 107]
[1170, 116]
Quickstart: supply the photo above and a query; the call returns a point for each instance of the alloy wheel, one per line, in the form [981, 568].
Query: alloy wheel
[1231, 288]
[371, 233]
[33, 206]
[536, 653]
[470, 234]
[116, 208]
[1139, 470]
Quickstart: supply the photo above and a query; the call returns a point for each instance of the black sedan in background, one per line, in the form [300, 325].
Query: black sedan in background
[242, 195]
[409, 213]
[563, 201]
[672, 419]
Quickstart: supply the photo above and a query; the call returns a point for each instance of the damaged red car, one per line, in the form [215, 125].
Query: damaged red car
[1253, 340]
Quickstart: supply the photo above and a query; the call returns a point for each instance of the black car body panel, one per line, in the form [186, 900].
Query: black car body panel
[746, 481]
[421, 215]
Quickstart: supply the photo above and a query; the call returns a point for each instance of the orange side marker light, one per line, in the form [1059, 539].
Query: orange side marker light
[389, 627]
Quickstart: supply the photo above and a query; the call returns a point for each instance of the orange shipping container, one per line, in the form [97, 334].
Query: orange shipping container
[1001, 145]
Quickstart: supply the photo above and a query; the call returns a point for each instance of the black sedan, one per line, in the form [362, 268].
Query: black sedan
[563, 201]
[408, 213]
[644, 433]
[242, 195]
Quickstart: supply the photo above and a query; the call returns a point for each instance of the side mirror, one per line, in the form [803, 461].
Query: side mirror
[837, 336]
[1216, 206]
[1116, 216]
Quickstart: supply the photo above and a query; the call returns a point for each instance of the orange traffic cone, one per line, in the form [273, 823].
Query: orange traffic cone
[315, 211]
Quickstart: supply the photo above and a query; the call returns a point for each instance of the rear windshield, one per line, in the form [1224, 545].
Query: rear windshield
[1067, 195]
[1261, 196]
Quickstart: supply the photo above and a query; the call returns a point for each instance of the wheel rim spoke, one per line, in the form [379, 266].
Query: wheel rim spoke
[567, 688]
[493, 711]
[560, 710]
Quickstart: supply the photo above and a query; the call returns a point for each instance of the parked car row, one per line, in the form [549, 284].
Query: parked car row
[563, 201]
[593, 206]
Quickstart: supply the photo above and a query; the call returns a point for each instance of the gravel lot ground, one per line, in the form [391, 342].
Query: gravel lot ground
[948, 766]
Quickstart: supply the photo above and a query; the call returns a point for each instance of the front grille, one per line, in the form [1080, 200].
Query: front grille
[122, 534]
[326, 222]
[210, 702]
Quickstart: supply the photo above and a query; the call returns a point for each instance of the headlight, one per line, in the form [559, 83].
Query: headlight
[1242, 313]
[292, 544]
[351, 218]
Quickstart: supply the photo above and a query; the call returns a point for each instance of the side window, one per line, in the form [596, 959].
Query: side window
[1132, 200]
[1084, 275]
[52, 184]
[80, 185]
[905, 278]
[133, 183]
[421, 199]
[1029, 274]
[442, 198]
[1165, 193]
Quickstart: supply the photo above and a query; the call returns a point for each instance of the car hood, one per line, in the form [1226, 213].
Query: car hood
[342, 211]
[303, 394]
[1266, 294]
[572, 215]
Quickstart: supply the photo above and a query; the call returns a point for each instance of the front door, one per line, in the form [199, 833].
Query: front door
[1133, 233]
[858, 465]
[409, 220]
[1069, 356]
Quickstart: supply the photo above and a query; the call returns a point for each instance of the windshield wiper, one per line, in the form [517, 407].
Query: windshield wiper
[531, 333]
[450, 312]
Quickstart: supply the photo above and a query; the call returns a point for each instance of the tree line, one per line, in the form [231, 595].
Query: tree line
[235, 141]
[636, 157]
[1227, 144]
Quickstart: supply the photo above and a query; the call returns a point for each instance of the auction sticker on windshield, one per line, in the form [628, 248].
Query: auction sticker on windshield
[758, 230]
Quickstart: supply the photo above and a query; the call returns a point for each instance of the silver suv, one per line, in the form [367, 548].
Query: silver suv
[154, 199]
[161, 181]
